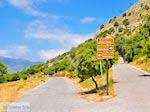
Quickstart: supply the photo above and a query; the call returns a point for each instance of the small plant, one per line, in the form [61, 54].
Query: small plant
[114, 18]
[111, 30]
[103, 34]
[130, 14]
[126, 22]
[146, 7]
[124, 15]
[102, 26]
[116, 24]
[120, 29]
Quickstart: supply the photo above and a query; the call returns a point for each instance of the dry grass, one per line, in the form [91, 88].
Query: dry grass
[89, 86]
[11, 91]
[142, 64]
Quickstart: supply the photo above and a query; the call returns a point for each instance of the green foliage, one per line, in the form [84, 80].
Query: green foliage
[129, 14]
[116, 24]
[146, 7]
[49, 71]
[34, 69]
[102, 26]
[121, 29]
[114, 18]
[14, 77]
[59, 65]
[126, 22]
[3, 69]
[24, 76]
[2, 79]
[111, 30]
[102, 34]
[138, 45]
[20, 75]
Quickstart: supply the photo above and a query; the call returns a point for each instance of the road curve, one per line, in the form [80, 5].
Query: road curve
[56, 95]
[60, 95]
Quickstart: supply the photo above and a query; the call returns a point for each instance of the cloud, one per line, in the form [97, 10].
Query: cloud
[19, 49]
[49, 54]
[30, 7]
[4, 52]
[40, 30]
[15, 51]
[88, 19]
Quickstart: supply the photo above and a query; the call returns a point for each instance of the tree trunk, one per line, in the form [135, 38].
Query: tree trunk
[96, 85]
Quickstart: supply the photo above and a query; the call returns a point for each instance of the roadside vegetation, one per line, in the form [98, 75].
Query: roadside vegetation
[132, 41]
[11, 91]
[88, 91]
[136, 48]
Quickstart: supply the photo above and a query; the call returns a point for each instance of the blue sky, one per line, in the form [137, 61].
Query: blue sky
[39, 30]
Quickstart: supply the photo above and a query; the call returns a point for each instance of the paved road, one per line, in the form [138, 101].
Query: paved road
[56, 95]
[59, 94]
[133, 92]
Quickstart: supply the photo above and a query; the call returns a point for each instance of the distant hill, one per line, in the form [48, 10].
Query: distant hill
[15, 65]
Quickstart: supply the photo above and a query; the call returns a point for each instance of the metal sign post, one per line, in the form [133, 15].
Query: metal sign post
[101, 68]
[107, 79]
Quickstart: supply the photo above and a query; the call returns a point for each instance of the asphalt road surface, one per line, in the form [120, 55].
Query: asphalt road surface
[59, 95]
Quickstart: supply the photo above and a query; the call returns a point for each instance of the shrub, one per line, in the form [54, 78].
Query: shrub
[114, 18]
[124, 15]
[126, 22]
[111, 30]
[120, 29]
[14, 77]
[116, 24]
[102, 26]
[2, 79]
[49, 71]
[146, 7]
[130, 14]
[103, 34]
[24, 76]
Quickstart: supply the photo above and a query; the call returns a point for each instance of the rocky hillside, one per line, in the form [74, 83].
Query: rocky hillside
[128, 20]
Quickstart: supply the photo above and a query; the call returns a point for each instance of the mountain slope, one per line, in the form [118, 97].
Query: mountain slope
[15, 65]
[131, 33]
[134, 15]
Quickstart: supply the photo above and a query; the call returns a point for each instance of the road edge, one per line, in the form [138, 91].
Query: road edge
[139, 69]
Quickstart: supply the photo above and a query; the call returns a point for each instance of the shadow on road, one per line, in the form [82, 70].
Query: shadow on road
[145, 75]
[115, 82]
[93, 90]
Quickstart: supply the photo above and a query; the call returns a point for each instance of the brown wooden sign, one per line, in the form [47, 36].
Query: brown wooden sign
[105, 55]
[105, 48]
[108, 40]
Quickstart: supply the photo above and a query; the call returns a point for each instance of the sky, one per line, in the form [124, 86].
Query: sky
[39, 30]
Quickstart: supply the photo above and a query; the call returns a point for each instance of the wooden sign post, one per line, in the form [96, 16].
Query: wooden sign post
[105, 50]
